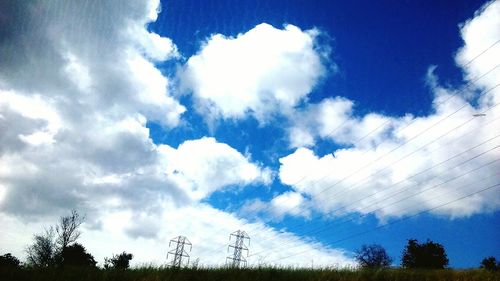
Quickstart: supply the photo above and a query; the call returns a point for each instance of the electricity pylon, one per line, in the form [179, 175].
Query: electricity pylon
[239, 246]
[179, 252]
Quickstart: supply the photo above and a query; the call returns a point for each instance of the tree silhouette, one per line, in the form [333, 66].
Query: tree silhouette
[67, 230]
[43, 250]
[372, 256]
[490, 263]
[426, 255]
[121, 261]
[76, 255]
[9, 260]
[47, 248]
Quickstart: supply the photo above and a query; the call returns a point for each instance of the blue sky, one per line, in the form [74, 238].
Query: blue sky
[372, 42]
[294, 121]
[382, 52]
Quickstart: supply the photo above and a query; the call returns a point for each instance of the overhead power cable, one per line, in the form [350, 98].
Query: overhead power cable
[398, 220]
[469, 120]
[297, 227]
[406, 125]
[437, 104]
[397, 147]
[485, 50]
[355, 218]
[268, 207]
[368, 212]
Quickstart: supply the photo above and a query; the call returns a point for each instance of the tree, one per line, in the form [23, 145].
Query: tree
[47, 248]
[43, 250]
[67, 230]
[76, 255]
[372, 256]
[490, 263]
[426, 255]
[121, 261]
[9, 260]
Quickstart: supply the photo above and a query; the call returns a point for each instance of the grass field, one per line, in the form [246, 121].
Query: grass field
[265, 273]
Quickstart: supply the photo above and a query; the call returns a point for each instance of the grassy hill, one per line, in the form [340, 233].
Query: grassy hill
[263, 274]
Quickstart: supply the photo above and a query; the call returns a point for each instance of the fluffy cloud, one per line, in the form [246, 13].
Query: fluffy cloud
[292, 203]
[479, 34]
[78, 84]
[334, 119]
[384, 167]
[262, 72]
[146, 235]
[188, 164]
[60, 49]
[77, 88]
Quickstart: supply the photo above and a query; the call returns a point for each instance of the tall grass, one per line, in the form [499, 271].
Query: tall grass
[259, 273]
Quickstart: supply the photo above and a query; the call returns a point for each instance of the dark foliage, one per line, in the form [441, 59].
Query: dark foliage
[9, 260]
[121, 261]
[76, 255]
[490, 263]
[373, 256]
[47, 248]
[427, 255]
[43, 251]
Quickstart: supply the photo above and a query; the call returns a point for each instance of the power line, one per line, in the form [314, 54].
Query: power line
[455, 128]
[399, 220]
[422, 191]
[268, 208]
[428, 169]
[411, 153]
[409, 123]
[438, 103]
[420, 149]
[388, 166]
[357, 141]
[480, 54]
[296, 227]
[441, 102]
[412, 138]
[323, 228]
[326, 227]
[407, 141]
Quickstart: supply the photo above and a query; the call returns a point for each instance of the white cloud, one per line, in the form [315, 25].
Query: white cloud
[374, 173]
[333, 118]
[75, 99]
[320, 119]
[206, 166]
[102, 65]
[292, 203]
[366, 180]
[36, 121]
[146, 235]
[262, 72]
[74, 103]
[480, 33]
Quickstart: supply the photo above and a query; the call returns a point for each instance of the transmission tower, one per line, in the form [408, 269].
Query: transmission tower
[178, 251]
[238, 247]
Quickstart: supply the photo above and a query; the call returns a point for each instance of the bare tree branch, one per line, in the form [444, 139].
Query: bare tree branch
[67, 230]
